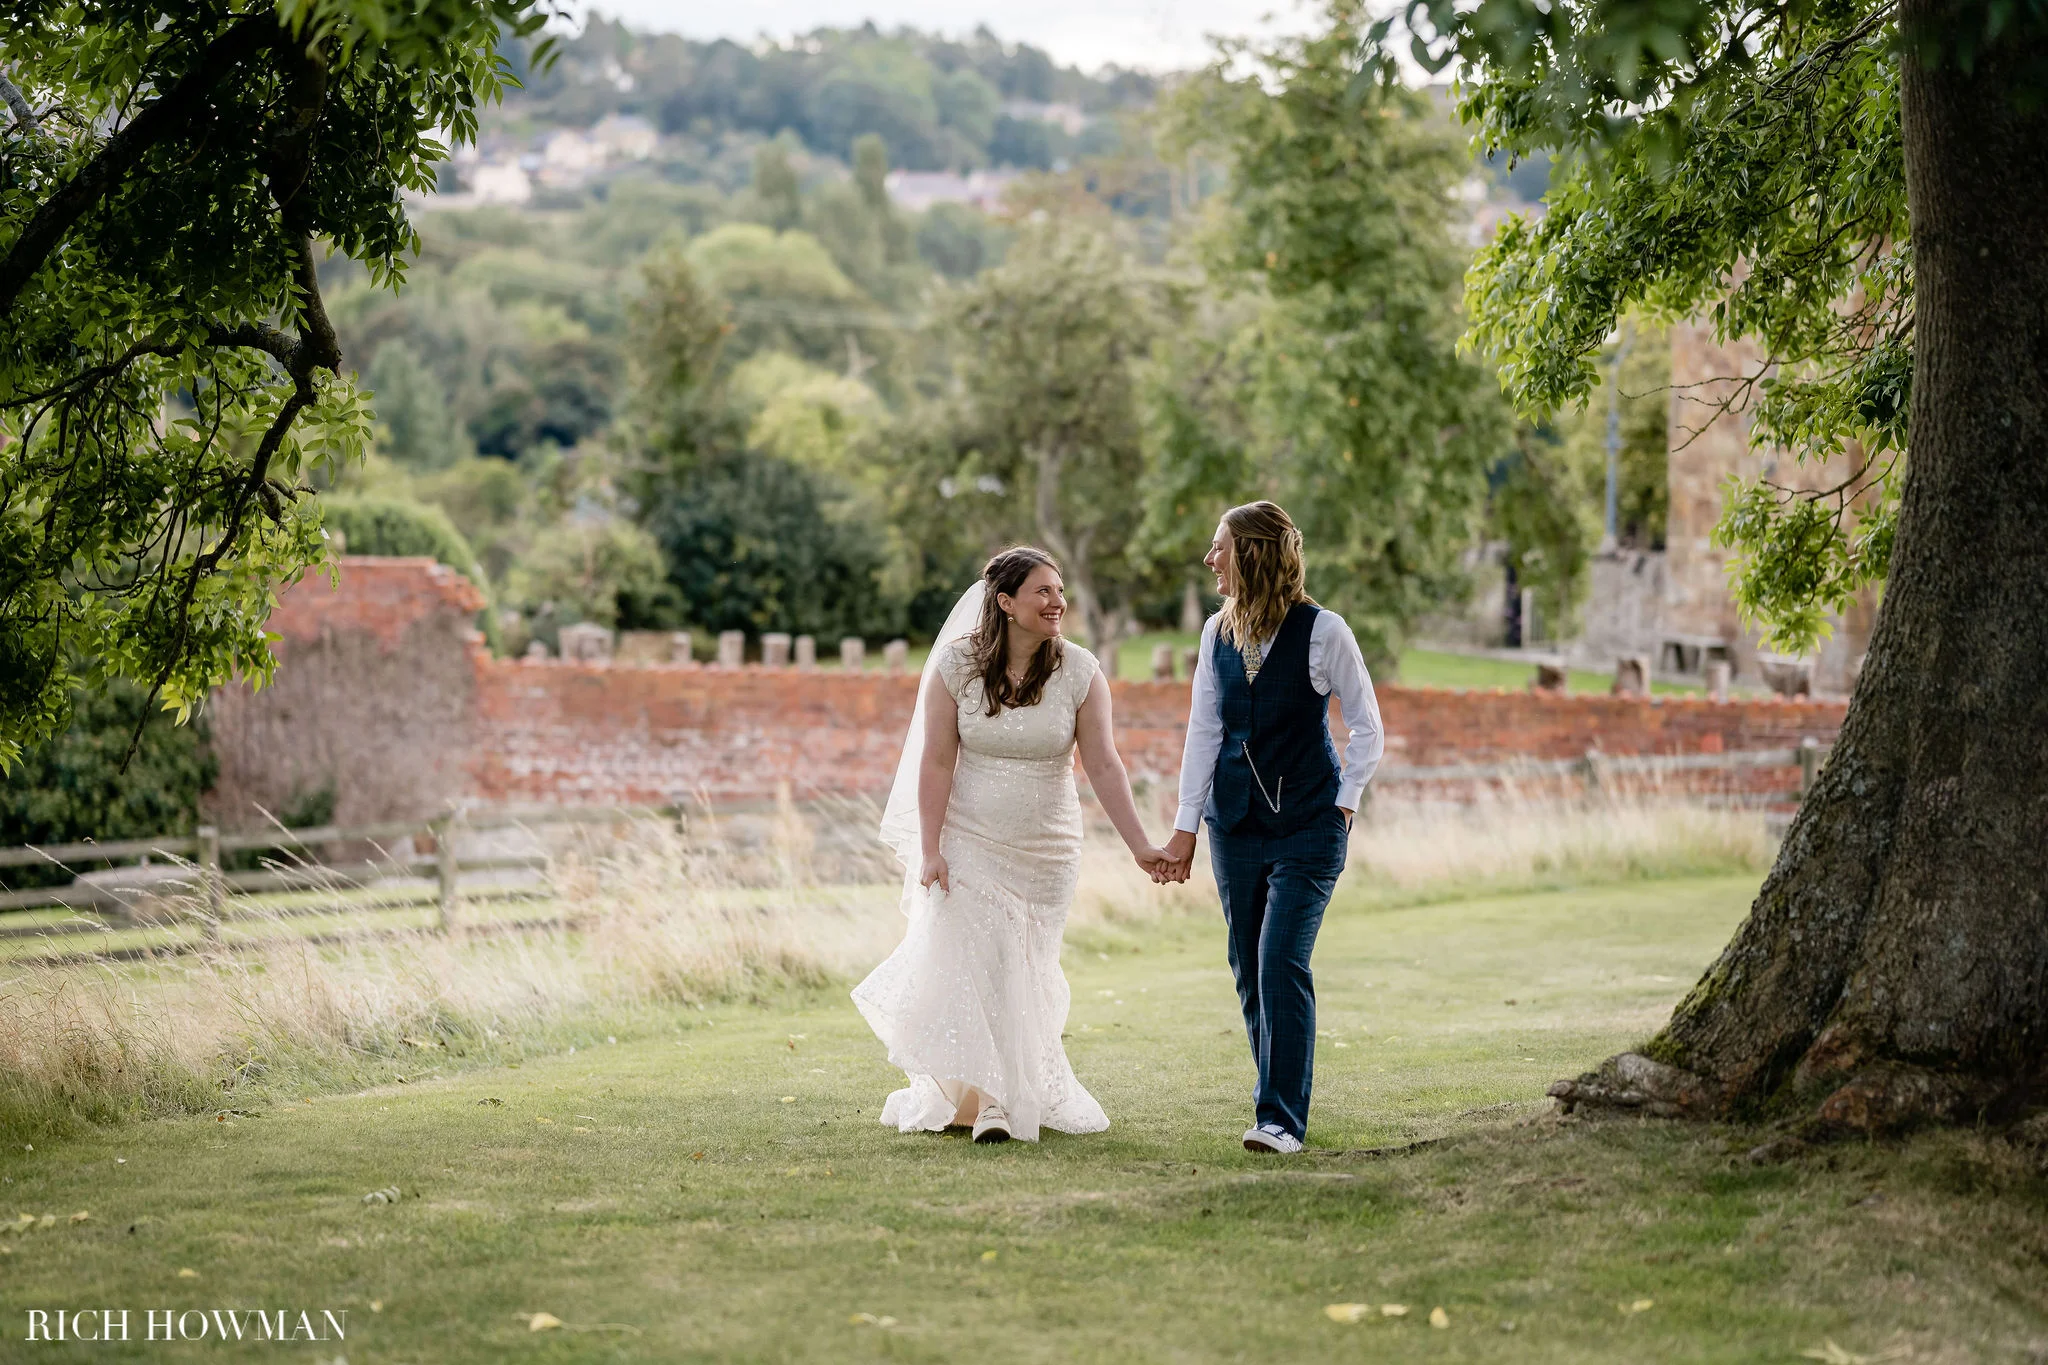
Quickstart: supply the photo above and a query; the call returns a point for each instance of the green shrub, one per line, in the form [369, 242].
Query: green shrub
[392, 526]
[75, 788]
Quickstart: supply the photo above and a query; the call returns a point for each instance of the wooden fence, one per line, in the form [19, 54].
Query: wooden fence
[196, 892]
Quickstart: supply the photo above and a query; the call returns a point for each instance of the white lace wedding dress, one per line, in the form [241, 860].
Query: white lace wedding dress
[973, 999]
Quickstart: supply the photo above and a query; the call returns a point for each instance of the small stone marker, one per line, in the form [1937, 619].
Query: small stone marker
[536, 649]
[1718, 673]
[1162, 663]
[853, 654]
[1631, 676]
[643, 647]
[586, 641]
[775, 650]
[1786, 675]
[895, 656]
[732, 648]
[807, 652]
[1550, 679]
[1189, 657]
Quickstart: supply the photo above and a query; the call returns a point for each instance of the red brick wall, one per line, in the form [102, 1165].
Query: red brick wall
[374, 699]
[416, 712]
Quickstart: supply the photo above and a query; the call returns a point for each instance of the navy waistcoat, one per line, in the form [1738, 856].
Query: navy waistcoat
[1277, 770]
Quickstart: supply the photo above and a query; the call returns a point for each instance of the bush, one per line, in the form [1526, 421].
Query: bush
[74, 787]
[391, 526]
[754, 543]
[603, 571]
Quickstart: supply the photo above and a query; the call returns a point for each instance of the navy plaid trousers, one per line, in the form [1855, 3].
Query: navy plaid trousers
[1274, 892]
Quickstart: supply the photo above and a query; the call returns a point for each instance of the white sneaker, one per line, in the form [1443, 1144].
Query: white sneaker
[992, 1124]
[1269, 1139]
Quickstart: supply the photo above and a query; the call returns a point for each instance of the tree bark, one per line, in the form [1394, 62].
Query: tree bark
[1071, 551]
[1894, 968]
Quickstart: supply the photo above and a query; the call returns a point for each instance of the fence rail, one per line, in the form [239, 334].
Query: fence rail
[198, 890]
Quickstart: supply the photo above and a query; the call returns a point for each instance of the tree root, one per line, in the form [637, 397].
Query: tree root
[1876, 1100]
[1634, 1082]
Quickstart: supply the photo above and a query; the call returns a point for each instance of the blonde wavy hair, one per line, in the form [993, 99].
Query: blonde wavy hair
[1267, 568]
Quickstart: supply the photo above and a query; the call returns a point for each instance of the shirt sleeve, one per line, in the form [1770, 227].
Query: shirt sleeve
[1335, 665]
[1205, 737]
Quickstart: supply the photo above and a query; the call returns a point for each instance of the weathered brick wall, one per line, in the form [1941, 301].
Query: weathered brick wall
[374, 698]
[384, 689]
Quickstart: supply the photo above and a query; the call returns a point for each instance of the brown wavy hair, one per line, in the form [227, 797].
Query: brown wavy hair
[989, 646]
[1266, 563]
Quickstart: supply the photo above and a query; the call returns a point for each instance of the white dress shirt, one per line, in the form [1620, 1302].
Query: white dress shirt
[1334, 664]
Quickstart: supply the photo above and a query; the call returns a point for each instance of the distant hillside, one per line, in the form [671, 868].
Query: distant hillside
[938, 104]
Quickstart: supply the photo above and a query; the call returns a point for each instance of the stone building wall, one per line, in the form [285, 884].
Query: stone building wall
[385, 692]
[1708, 446]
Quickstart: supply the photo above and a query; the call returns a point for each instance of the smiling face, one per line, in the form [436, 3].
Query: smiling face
[1219, 561]
[1039, 604]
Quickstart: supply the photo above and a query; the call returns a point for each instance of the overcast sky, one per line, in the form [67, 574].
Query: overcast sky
[1155, 35]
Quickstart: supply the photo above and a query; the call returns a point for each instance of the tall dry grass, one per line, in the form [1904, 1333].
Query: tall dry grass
[1409, 851]
[660, 920]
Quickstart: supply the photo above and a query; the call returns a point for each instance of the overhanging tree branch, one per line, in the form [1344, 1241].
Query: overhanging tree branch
[62, 210]
[23, 115]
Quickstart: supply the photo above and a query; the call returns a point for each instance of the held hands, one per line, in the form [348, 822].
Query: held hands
[1155, 862]
[1179, 858]
[935, 870]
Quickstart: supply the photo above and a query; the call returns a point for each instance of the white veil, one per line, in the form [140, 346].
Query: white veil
[899, 818]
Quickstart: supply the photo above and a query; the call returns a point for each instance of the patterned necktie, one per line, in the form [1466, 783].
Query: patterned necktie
[1254, 660]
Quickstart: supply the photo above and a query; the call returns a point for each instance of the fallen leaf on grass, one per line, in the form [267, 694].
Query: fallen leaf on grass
[579, 1128]
[25, 1220]
[387, 1195]
[1439, 1318]
[870, 1320]
[1346, 1312]
[188, 1273]
[1833, 1354]
[80, 1216]
[789, 1099]
[541, 1322]
[988, 1255]
[1639, 1306]
[542, 1118]
[376, 1305]
[1393, 1310]
[491, 1102]
[696, 1156]
[48, 1220]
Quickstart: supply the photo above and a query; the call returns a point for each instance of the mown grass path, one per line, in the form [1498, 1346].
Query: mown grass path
[714, 1187]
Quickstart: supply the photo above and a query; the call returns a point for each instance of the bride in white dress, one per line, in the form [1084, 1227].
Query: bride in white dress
[985, 818]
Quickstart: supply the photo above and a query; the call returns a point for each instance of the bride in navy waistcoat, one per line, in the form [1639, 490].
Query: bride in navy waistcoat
[1260, 770]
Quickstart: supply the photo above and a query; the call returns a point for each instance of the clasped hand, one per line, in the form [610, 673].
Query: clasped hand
[1171, 864]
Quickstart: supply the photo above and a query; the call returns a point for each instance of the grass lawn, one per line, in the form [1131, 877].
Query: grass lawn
[713, 1186]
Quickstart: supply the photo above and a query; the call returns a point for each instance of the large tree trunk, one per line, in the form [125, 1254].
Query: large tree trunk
[1894, 968]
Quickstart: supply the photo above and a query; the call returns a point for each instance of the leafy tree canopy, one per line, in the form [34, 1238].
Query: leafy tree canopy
[936, 102]
[1734, 161]
[1354, 409]
[1039, 435]
[169, 178]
